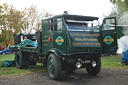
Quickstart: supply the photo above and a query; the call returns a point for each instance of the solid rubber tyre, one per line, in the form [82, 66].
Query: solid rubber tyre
[19, 60]
[54, 67]
[94, 70]
[26, 59]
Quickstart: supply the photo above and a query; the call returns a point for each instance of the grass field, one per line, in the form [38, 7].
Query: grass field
[113, 62]
[107, 62]
[5, 71]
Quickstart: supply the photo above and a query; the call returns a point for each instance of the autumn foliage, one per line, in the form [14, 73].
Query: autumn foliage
[18, 21]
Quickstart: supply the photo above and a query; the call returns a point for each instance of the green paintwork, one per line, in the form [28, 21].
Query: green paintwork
[46, 45]
[63, 46]
[107, 47]
[83, 41]
[53, 35]
[27, 49]
[109, 35]
[68, 42]
[65, 41]
[31, 49]
[119, 29]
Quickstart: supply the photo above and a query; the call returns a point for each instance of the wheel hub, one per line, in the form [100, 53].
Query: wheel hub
[51, 66]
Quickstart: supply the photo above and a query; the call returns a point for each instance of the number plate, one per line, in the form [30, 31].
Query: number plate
[85, 61]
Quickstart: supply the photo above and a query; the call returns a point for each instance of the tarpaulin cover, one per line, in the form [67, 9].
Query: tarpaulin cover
[25, 43]
[8, 63]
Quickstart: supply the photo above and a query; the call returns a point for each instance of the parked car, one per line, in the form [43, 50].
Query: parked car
[6, 51]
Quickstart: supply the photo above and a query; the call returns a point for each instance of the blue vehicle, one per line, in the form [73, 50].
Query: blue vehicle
[6, 51]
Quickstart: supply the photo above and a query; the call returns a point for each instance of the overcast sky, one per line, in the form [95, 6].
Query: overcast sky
[80, 7]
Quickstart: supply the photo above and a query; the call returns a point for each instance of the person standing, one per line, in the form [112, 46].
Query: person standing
[2, 48]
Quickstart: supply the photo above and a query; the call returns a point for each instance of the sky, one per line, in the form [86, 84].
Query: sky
[96, 8]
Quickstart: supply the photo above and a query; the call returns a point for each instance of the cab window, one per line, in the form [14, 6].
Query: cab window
[55, 24]
[50, 25]
[109, 24]
[58, 24]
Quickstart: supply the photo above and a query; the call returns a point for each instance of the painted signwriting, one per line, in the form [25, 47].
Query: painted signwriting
[79, 44]
[85, 39]
[45, 44]
[85, 34]
[45, 40]
[45, 36]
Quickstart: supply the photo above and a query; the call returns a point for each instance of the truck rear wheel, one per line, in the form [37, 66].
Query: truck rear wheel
[54, 67]
[94, 67]
[21, 60]
[26, 59]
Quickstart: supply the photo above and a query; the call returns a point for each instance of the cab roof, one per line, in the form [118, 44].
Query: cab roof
[70, 16]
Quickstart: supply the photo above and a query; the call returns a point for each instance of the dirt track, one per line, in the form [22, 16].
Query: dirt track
[79, 77]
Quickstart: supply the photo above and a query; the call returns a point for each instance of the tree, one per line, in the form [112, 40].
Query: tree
[30, 17]
[117, 2]
[14, 21]
[33, 19]
[10, 23]
[6, 39]
[119, 9]
[38, 21]
[6, 35]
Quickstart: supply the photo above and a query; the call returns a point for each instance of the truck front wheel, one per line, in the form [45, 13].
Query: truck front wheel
[94, 67]
[54, 66]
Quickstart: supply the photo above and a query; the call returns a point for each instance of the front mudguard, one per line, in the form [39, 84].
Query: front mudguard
[56, 52]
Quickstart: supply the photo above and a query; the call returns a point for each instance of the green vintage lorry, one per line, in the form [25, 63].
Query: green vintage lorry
[66, 43]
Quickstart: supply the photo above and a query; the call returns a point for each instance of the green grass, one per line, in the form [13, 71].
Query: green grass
[107, 62]
[5, 71]
[113, 62]
[6, 57]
